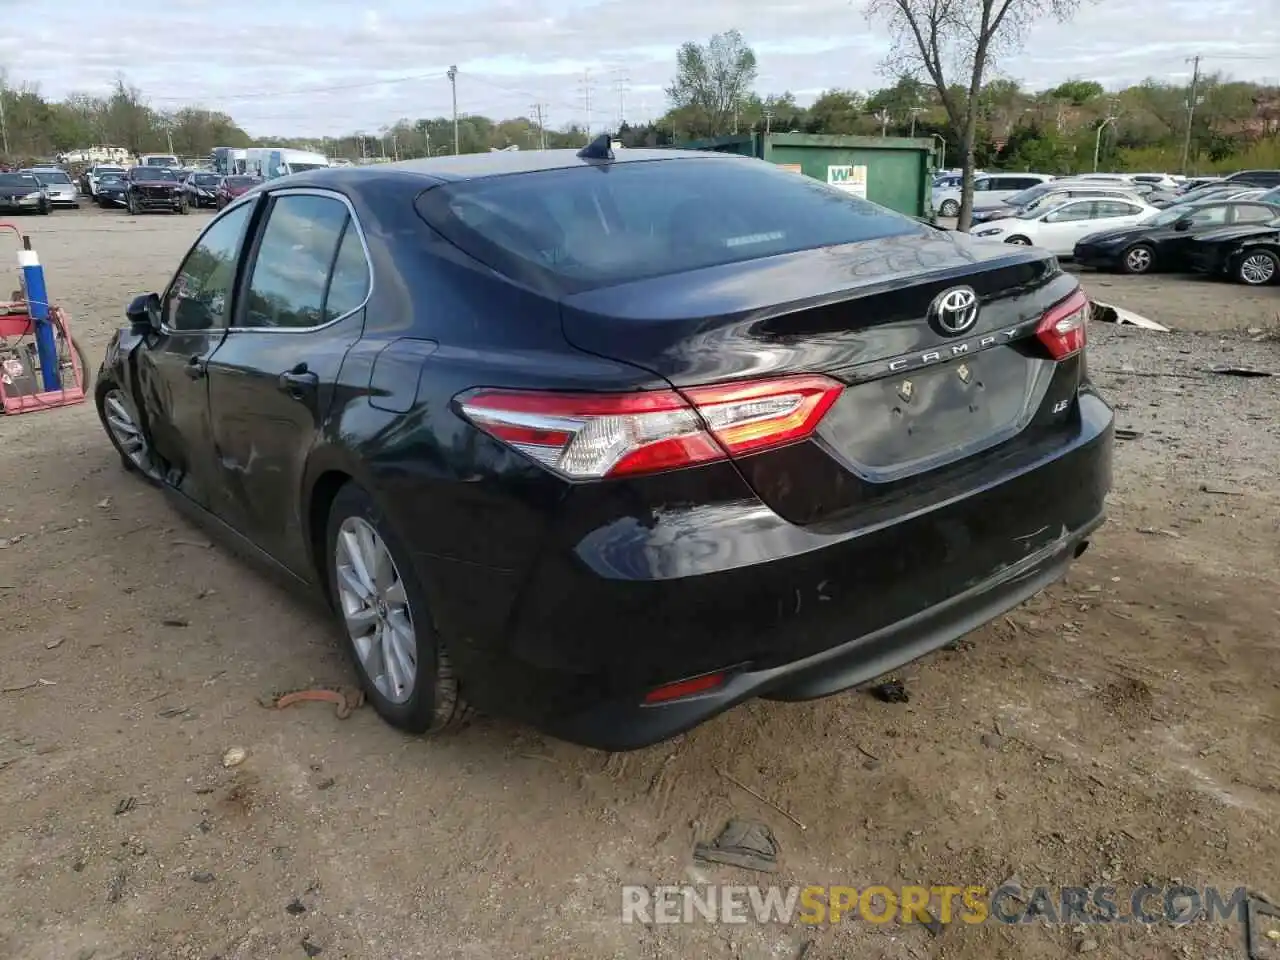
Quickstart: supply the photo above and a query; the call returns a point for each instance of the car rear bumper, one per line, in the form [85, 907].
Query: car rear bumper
[628, 724]
[629, 596]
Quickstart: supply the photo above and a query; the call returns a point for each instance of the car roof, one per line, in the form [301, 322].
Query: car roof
[478, 166]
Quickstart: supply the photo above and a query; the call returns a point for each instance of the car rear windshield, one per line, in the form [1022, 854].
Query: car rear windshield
[594, 226]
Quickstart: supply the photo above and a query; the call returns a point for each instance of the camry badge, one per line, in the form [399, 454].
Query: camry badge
[905, 389]
[964, 373]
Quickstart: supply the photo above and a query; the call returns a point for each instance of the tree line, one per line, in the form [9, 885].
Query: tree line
[712, 93]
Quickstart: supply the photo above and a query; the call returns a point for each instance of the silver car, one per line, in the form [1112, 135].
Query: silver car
[58, 185]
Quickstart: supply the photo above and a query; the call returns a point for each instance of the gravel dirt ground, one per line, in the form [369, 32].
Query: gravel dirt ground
[1122, 727]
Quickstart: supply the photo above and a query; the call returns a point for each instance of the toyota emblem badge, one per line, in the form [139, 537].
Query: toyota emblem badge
[954, 311]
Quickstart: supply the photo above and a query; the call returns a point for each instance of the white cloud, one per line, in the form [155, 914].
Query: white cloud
[264, 62]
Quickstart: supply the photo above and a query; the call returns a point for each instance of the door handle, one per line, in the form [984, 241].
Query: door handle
[299, 383]
[195, 368]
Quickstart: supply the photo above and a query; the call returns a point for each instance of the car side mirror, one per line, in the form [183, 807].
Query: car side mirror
[144, 314]
[1183, 224]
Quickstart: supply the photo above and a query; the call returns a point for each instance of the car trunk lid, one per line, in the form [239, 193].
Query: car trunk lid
[917, 397]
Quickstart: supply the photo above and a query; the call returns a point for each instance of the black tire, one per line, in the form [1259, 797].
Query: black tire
[148, 468]
[1261, 274]
[1018, 240]
[182, 207]
[131, 205]
[949, 208]
[85, 373]
[1140, 258]
[44, 209]
[435, 705]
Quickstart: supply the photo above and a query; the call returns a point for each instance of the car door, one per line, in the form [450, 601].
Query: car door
[1061, 227]
[1174, 243]
[172, 367]
[992, 193]
[301, 306]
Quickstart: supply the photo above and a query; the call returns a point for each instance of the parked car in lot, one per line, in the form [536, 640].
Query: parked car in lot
[112, 191]
[1051, 194]
[59, 186]
[1246, 253]
[202, 188]
[612, 454]
[1058, 228]
[151, 188]
[990, 190]
[89, 181]
[23, 193]
[229, 188]
[1164, 241]
[1271, 197]
[1255, 178]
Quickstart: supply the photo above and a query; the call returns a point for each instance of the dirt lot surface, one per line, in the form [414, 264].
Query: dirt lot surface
[1121, 728]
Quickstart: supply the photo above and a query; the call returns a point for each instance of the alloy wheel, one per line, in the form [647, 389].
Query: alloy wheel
[1257, 269]
[375, 608]
[125, 430]
[1138, 260]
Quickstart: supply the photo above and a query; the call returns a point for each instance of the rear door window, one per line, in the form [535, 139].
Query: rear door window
[291, 270]
[1255, 213]
[1210, 216]
[591, 226]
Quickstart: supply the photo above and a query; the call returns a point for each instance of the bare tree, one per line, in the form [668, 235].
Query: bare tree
[712, 81]
[953, 43]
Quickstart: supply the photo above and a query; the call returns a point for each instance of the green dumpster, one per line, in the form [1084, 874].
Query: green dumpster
[895, 172]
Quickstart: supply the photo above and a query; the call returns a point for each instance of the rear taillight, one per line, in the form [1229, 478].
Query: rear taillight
[1063, 328]
[589, 436]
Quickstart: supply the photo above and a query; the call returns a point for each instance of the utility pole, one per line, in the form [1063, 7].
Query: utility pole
[453, 82]
[623, 86]
[1191, 111]
[768, 120]
[540, 121]
[586, 99]
[915, 112]
[1097, 142]
[4, 126]
[883, 117]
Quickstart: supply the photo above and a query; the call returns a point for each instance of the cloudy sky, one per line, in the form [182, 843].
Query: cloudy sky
[336, 66]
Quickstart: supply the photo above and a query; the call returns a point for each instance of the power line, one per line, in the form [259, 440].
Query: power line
[276, 94]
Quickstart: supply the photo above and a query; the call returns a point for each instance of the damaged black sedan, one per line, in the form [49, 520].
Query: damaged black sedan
[612, 443]
[148, 189]
[1248, 253]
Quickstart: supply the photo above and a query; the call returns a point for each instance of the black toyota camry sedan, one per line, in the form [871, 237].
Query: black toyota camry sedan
[609, 443]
